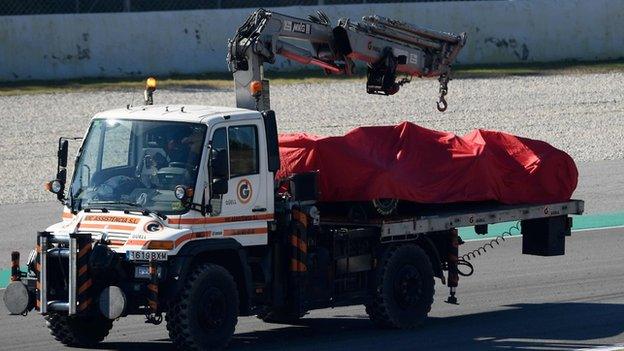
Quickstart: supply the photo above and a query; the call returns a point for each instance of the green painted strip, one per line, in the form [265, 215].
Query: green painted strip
[580, 222]
[494, 230]
[5, 275]
[598, 221]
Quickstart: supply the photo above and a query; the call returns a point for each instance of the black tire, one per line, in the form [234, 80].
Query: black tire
[279, 316]
[404, 288]
[78, 331]
[205, 314]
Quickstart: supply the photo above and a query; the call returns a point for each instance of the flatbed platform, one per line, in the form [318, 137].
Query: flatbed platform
[447, 217]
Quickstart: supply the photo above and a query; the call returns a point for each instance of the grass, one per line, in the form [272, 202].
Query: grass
[224, 80]
[537, 69]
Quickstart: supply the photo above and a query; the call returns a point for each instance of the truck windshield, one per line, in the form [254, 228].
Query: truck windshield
[133, 164]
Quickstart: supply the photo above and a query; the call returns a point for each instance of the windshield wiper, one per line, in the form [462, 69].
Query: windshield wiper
[89, 209]
[147, 212]
[139, 208]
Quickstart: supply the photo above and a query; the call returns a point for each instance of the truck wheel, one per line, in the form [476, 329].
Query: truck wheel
[78, 331]
[404, 288]
[204, 315]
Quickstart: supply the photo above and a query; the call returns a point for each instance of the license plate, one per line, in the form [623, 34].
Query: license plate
[146, 255]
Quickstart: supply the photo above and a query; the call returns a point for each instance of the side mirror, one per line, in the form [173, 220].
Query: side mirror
[62, 153]
[270, 128]
[57, 186]
[219, 187]
[219, 164]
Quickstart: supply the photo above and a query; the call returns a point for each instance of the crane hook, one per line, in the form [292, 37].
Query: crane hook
[442, 104]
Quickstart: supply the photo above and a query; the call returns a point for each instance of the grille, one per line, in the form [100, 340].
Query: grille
[115, 239]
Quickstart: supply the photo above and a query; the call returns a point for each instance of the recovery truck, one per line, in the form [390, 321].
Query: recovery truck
[174, 210]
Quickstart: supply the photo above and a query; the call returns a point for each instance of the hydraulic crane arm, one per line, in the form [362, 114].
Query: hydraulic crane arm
[388, 47]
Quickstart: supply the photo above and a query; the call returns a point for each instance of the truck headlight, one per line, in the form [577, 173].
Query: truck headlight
[180, 192]
[54, 186]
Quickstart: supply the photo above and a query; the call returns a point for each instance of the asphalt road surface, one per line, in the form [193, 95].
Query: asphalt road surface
[512, 301]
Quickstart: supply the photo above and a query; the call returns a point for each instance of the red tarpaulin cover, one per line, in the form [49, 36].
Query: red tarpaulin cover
[412, 163]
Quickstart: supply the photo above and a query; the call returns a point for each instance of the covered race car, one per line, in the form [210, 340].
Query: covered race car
[419, 165]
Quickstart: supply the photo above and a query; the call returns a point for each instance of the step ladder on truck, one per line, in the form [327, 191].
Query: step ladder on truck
[173, 210]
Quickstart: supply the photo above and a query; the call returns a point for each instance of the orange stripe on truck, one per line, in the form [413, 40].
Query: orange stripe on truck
[227, 232]
[297, 266]
[190, 236]
[245, 231]
[82, 270]
[86, 285]
[117, 219]
[84, 251]
[211, 220]
[84, 304]
[137, 242]
[298, 243]
[122, 227]
[300, 217]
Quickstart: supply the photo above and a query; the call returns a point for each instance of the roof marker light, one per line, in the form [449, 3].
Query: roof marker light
[151, 83]
[150, 87]
[255, 88]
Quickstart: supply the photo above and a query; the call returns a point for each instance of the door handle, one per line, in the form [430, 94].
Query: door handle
[258, 209]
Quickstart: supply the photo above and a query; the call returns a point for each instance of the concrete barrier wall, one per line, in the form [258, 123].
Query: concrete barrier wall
[186, 42]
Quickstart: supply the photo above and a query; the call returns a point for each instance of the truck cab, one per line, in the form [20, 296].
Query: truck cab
[156, 192]
[200, 171]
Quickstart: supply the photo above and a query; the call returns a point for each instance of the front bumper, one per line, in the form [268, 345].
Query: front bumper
[73, 276]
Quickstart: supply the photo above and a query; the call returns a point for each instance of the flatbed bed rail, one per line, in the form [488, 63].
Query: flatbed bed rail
[463, 216]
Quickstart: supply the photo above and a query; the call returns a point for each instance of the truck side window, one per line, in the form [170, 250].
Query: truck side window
[243, 150]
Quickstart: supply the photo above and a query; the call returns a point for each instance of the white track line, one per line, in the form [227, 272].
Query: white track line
[604, 348]
[601, 228]
[519, 235]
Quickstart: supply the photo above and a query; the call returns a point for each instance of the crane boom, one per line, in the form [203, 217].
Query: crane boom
[388, 47]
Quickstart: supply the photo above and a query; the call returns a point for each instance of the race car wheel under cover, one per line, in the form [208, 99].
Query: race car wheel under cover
[385, 207]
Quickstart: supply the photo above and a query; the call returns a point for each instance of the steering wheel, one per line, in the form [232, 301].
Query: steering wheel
[103, 191]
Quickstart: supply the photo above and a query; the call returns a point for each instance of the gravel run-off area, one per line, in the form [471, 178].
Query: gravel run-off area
[582, 114]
